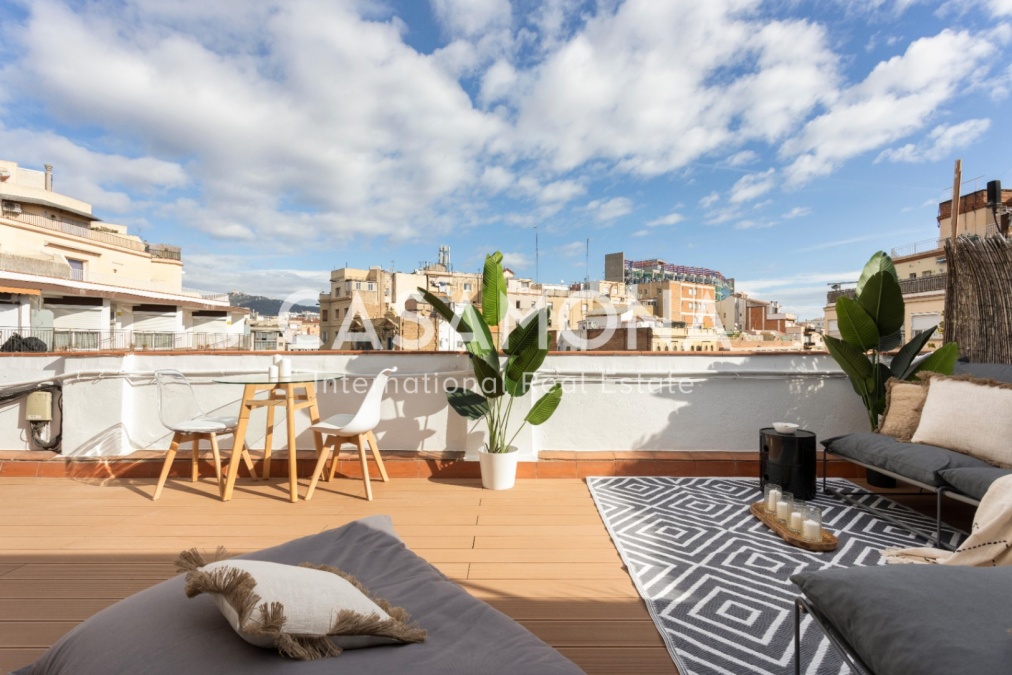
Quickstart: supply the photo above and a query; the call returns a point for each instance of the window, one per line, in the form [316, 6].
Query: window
[518, 304]
[323, 314]
[371, 286]
[76, 269]
[467, 287]
[323, 337]
[358, 285]
[913, 275]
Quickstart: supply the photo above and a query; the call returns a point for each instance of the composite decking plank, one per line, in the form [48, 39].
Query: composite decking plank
[612, 660]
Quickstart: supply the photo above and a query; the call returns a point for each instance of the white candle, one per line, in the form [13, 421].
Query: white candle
[277, 359]
[812, 531]
[272, 373]
[783, 510]
[796, 521]
[774, 499]
[285, 368]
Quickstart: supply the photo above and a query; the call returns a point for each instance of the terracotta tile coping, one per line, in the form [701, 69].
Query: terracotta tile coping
[445, 464]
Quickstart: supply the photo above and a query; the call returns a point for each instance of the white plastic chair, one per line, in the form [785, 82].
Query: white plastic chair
[344, 428]
[180, 412]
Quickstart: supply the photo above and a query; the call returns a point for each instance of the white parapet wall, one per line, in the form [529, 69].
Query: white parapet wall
[612, 401]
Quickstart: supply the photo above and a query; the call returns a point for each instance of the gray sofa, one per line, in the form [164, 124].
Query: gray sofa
[938, 470]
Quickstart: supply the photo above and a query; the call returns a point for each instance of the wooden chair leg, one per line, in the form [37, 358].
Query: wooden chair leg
[374, 446]
[195, 459]
[216, 452]
[336, 442]
[321, 462]
[170, 455]
[249, 462]
[360, 442]
[321, 449]
[268, 441]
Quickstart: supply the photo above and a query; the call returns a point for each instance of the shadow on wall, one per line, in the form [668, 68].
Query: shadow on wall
[727, 411]
[111, 441]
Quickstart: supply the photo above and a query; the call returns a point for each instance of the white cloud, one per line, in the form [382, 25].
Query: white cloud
[516, 261]
[560, 192]
[670, 219]
[253, 275]
[470, 18]
[752, 186]
[939, 144]
[573, 249]
[609, 209]
[797, 212]
[742, 158]
[709, 200]
[896, 99]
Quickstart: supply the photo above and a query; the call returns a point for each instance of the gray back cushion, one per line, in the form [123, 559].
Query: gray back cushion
[916, 461]
[989, 371]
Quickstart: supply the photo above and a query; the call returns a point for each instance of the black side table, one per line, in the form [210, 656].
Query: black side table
[788, 460]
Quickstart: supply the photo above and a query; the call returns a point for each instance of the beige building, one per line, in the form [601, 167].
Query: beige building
[74, 282]
[685, 302]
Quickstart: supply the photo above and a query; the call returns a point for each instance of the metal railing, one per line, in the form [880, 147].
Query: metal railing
[57, 340]
[917, 247]
[76, 229]
[933, 282]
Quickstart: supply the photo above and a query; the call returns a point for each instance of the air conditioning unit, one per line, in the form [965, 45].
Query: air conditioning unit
[12, 207]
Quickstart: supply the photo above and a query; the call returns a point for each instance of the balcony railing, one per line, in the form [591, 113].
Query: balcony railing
[57, 340]
[917, 247]
[76, 230]
[927, 284]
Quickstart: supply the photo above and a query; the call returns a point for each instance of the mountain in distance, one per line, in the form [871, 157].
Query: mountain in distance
[263, 305]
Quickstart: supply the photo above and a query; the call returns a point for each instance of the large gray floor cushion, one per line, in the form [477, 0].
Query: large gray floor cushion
[919, 619]
[160, 631]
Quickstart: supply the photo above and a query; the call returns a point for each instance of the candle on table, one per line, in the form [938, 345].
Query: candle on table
[783, 510]
[812, 531]
[285, 367]
[771, 506]
[272, 372]
[796, 521]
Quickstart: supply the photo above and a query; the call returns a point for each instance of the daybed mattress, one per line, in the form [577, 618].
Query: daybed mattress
[160, 631]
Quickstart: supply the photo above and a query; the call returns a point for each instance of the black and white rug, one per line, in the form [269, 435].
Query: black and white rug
[717, 581]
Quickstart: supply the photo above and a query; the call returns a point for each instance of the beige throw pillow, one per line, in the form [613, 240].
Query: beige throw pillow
[306, 612]
[904, 401]
[968, 415]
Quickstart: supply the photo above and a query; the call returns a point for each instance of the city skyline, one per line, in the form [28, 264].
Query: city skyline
[778, 143]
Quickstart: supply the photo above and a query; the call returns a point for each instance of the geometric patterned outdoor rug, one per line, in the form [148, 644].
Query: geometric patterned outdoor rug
[717, 581]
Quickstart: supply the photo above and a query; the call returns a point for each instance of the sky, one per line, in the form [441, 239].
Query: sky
[781, 143]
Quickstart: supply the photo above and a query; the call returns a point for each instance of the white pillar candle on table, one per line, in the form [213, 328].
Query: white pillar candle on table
[812, 531]
[285, 368]
[277, 359]
[272, 372]
[774, 499]
[796, 521]
[783, 510]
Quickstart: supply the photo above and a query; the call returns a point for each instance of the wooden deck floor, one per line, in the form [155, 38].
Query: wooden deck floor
[539, 552]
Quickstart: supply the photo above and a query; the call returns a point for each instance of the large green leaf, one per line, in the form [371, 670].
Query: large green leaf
[883, 300]
[521, 367]
[479, 339]
[493, 290]
[456, 321]
[942, 360]
[880, 262]
[852, 360]
[467, 403]
[545, 406]
[489, 378]
[890, 342]
[900, 364]
[528, 330]
[856, 327]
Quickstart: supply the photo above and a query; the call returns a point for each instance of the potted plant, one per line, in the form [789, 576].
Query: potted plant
[499, 382]
[870, 324]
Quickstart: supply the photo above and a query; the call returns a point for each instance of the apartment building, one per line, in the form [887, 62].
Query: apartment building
[689, 303]
[71, 281]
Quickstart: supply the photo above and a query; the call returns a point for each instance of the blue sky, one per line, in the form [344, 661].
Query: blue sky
[781, 143]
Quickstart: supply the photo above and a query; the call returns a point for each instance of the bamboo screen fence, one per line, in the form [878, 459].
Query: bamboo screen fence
[978, 298]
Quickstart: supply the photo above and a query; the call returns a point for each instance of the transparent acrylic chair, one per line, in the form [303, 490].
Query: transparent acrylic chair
[353, 428]
[181, 413]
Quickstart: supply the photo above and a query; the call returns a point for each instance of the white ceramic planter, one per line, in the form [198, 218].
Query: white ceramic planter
[498, 469]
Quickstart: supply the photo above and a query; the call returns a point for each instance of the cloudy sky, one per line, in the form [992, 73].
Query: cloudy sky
[779, 142]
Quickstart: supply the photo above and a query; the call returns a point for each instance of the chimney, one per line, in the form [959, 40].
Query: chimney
[49, 177]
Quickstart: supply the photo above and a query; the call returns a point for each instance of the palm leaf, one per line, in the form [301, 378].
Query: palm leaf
[530, 329]
[489, 378]
[545, 406]
[882, 299]
[901, 362]
[493, 290]
[880, 262]
[852, 360]
[942, 360]
[856, 327]
[456, 321]
[467, 403]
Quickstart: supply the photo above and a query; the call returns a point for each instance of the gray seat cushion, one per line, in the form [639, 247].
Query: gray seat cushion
[922, 619]
[973, 482]
[918, 462]
[990, 371]
[160, 631]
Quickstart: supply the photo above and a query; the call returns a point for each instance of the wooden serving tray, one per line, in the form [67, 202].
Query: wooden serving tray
[828, 543]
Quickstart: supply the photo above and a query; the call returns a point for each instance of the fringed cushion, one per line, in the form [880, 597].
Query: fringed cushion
[306, 612]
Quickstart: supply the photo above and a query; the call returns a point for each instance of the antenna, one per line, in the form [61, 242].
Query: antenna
[537, 257]
[586, 278]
